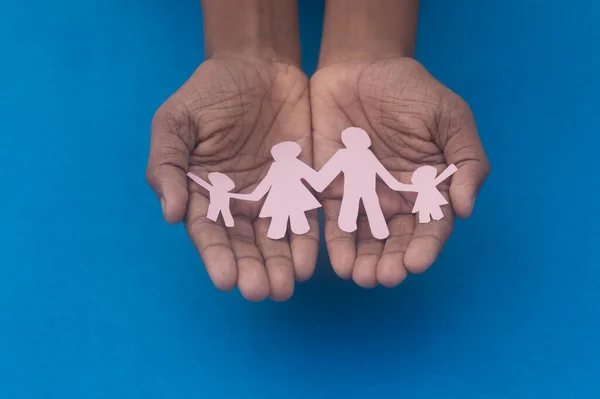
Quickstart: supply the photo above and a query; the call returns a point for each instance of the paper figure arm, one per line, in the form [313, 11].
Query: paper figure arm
[449, 171]
[327, 173]
[258, 192]
[200, 182]
[390, 180]
[310, 175]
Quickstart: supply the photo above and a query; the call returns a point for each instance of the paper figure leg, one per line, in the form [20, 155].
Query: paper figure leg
[278, 227]
[227, 217]
[299, 223]
[424, 217]
[213, 212]
[375, 216]
[437, 214]
[348, 214]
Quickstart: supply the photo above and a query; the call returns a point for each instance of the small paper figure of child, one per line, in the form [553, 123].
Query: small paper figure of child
[429, 199]
[219, 195]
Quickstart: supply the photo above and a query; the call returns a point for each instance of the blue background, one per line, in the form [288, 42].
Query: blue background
[99, 298]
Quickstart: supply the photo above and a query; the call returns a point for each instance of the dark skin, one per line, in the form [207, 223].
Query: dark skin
[412, 120]
[367, 77]
[251, 94]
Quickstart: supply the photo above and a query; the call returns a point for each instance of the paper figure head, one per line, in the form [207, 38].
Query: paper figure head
[424, 175]
[355, 137]
[285, 150]
[221, 181]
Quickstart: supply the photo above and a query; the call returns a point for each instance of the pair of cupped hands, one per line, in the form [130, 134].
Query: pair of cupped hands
[230, 113]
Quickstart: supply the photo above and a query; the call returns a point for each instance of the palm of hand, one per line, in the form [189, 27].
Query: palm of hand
[412, 120]
[225, 119]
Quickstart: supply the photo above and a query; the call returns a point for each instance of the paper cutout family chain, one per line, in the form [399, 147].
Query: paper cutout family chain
[289, 199]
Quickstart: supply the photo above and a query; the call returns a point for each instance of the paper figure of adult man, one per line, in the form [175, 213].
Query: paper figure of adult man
[360, 168]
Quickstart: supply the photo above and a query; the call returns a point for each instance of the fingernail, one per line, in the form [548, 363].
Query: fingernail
[163, 204]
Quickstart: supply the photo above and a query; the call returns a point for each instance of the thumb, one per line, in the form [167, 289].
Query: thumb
[463, 148]
[167, 167]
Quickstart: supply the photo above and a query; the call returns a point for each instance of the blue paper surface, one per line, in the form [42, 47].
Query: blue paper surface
[99, 298]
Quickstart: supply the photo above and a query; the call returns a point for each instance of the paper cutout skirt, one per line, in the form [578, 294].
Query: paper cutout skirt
[288, 199]
[432, 198]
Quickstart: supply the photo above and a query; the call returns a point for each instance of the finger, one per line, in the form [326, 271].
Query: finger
[212, 243]
[305, 248]
[368, 253]
[253, 282]
[427, 242]
[391, 270]
[464, 149]
[168, 164]
[340, 245]
[278, 261]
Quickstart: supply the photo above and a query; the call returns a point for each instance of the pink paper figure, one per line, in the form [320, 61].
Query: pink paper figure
[429, 199]
[219, 195]
[288, 198]
[360, 168]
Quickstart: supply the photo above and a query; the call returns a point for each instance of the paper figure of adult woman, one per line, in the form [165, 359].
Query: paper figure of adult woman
[288, 198]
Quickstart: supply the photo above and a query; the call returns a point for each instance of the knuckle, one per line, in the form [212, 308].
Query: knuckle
[161, 114]
[151, 177]
[196, 224]
[486, 167]
[171, 154]
[171, 119]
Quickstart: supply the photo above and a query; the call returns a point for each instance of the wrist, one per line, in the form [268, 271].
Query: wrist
[368, 30]
[264, 29]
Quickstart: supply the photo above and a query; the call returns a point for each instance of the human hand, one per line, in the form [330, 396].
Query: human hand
[226, 118]
[412, 120]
